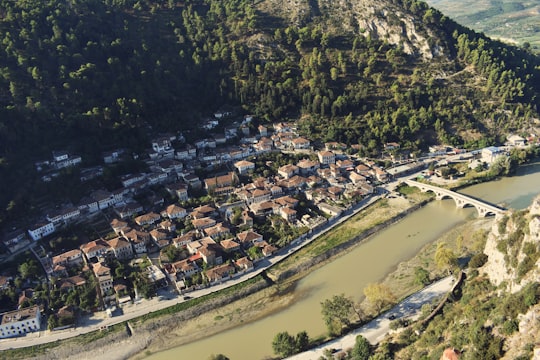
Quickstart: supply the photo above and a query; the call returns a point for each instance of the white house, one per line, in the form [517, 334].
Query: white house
[489, 154]
[40, 230]
[20, 322]
[243, 166]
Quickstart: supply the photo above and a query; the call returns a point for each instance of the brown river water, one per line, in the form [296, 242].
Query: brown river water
[369, 262]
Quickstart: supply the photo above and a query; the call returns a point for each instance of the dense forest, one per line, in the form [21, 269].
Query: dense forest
[91, 75]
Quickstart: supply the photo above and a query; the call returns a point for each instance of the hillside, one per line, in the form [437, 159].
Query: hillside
[513, 21]
[88, 76]
[494, 315]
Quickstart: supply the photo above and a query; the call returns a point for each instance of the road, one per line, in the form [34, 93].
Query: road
[142, 307]
[376, 330]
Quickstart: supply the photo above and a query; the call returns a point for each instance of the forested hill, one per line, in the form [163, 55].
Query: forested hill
[87, 75]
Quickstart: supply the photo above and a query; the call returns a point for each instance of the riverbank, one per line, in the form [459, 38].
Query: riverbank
[173, 330]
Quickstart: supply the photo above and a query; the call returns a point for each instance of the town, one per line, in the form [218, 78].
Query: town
[201, 212]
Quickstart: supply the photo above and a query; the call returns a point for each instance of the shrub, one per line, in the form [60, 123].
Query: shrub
[478, 260]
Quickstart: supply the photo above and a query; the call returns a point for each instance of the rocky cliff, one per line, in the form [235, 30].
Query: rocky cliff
[383, 20]
[513, 248]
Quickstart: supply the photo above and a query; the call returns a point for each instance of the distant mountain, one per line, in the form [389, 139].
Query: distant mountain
[514, 21]
[85, 76]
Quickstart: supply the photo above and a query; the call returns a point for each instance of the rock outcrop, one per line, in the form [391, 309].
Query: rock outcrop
[513, 248]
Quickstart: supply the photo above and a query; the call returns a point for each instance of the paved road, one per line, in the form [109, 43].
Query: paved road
[132, 311]
[376, 330]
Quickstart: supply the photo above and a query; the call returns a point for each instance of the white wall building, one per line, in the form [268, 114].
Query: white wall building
[20, 322]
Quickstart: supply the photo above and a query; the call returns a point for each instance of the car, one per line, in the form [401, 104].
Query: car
[392, 317]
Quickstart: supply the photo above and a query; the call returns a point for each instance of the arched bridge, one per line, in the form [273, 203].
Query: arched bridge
[483, 208]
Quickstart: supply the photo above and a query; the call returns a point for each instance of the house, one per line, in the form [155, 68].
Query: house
[203, 211]
[345, 164]
[203, 223]
[248, 238]
[70, 283]
[264, 208]
[491, 153]
[128, 210]
[158, 235]
[326, 157]
[219, 273]
[194, 246]
[329, 209]
[244, 166]
[229, 245]
[110, 157]
[62, 159]
[121, 248]
[174, 212]
[68, 258]
[222, 181]
[391, 146]
[20, 322]
[286, 201]
[64, 215]
[307, 166]
[300, 143]
[139, 246]
[103, 275]
[244, 264]
[157, 178]
[288, 214]
[380, 174]
[515, 140]
[217, 231]
[288, 171]
[137, 235]
[356, 178]
[103, 198]
[130, 179]
[263, 145]
[257, 195]
[211, 254]
[180, 190]
[167, 225]
[147, 219]
[268, 250]
[183, 240]
[40, 230]
[95, 248]
[168, 166]
[185, 268]
[89, 205]
[118, 225]
[162, 145]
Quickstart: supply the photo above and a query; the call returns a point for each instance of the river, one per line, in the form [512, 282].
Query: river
[349, 274]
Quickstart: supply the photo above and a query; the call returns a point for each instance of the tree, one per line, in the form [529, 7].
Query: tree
[361, 349]
[284, 344]
[445, 258]
[337, 312]
[421, 276]
[302, 341]
[379, 296]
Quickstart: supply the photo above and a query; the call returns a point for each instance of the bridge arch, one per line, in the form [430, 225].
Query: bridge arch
[461, 201]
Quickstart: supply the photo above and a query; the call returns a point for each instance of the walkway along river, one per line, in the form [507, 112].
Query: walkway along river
[349, 274]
